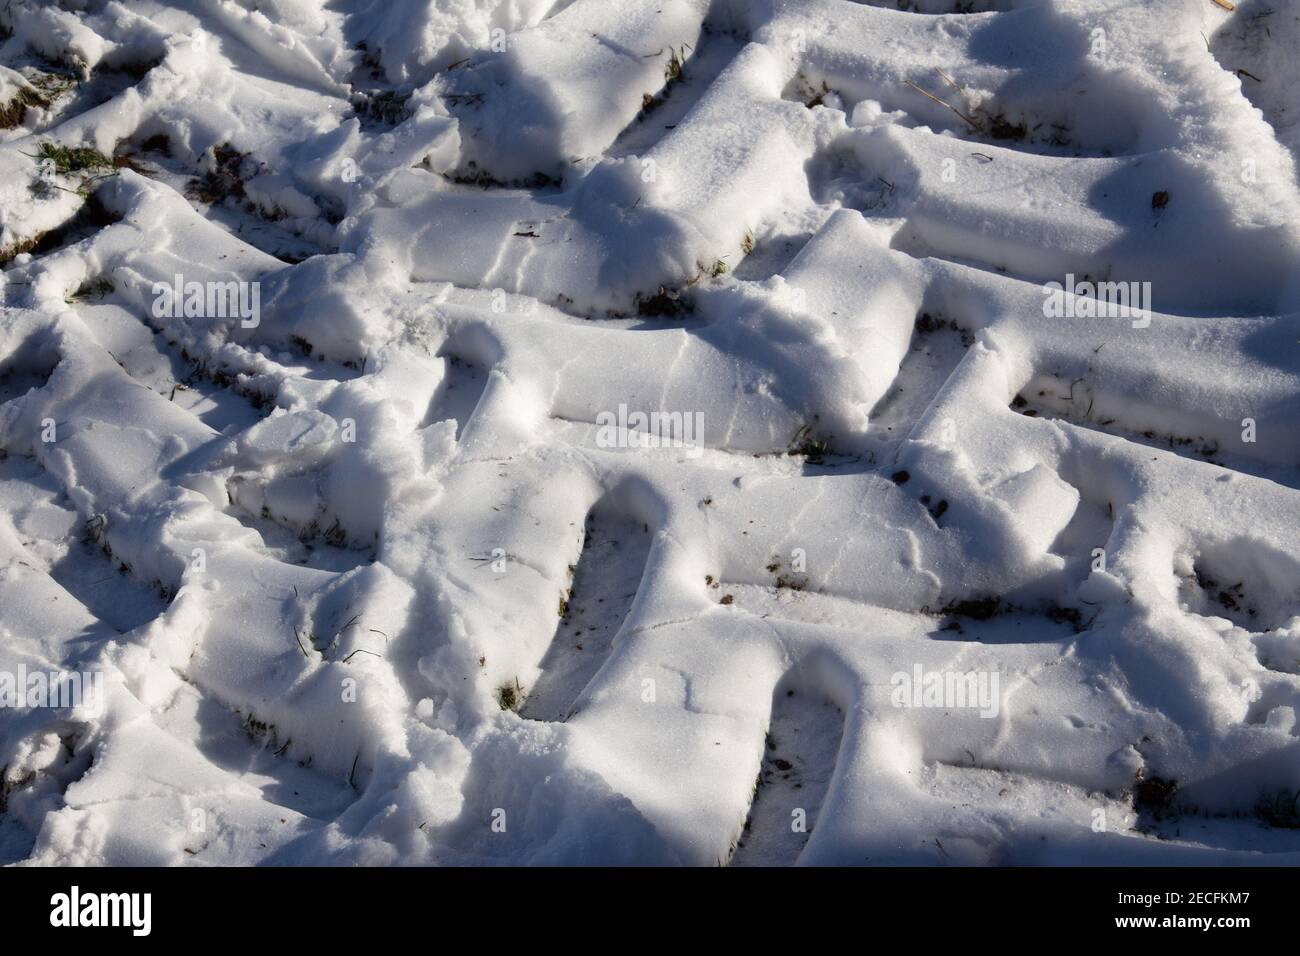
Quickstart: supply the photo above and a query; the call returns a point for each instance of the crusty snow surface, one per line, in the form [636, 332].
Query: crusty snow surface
[364, 578]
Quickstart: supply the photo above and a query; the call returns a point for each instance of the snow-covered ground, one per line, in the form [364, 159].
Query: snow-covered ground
[936, 565]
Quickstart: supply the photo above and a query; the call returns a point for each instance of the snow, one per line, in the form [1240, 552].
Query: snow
[365, 579]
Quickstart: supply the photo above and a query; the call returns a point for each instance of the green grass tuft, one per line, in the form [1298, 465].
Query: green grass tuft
[75, 159]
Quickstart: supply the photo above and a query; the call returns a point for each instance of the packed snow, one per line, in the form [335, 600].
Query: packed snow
[649, 432]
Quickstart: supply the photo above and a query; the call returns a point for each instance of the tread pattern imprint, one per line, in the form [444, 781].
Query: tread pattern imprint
[368, 584]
